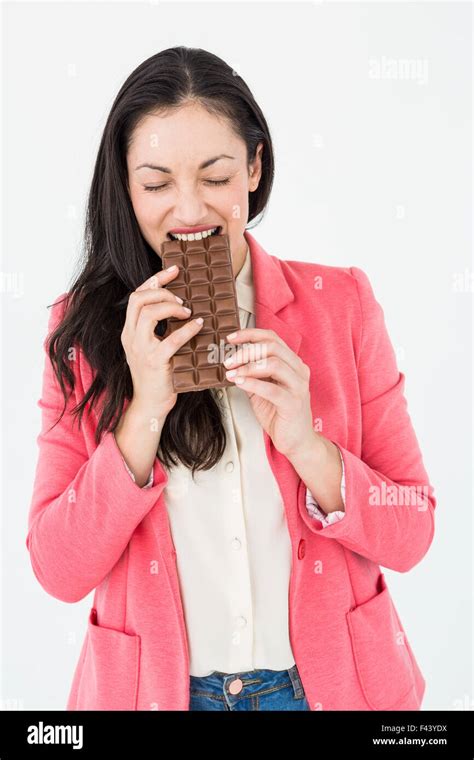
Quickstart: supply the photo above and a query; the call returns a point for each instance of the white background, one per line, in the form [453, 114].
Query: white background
[373, 172]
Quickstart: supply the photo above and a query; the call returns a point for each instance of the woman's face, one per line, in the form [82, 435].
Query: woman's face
[188, 169]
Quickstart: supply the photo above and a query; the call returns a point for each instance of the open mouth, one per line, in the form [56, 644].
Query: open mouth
[194, 235]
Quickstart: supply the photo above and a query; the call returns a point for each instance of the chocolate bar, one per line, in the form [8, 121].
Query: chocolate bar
[206, 284]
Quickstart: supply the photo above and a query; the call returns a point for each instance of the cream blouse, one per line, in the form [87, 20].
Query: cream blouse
[232, 542]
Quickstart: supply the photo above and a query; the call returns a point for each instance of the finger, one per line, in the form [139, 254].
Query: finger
[271, 339]
[152, 313]
[253, 351]
[139, 299]
[270, 391]
[254, 334]
[179, 337]
[159, 279]
[272, 367]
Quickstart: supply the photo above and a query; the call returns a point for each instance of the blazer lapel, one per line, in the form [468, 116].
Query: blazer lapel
[272, 294]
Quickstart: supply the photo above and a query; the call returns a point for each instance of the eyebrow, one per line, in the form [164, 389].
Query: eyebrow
[204, 164]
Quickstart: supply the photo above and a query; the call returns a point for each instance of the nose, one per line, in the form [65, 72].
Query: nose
[189, 209]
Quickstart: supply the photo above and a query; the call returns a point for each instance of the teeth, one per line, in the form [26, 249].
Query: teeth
[194, 235]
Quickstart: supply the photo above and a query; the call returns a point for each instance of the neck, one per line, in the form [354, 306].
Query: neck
[238, 257]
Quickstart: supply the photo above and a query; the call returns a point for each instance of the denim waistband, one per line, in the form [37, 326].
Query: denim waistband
[253, 681]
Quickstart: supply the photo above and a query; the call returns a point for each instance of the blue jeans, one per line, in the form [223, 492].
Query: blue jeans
[249, 690]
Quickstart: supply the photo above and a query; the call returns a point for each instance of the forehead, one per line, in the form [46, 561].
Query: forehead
[186, 132]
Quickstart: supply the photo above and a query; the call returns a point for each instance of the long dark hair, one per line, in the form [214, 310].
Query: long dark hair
[117, 258]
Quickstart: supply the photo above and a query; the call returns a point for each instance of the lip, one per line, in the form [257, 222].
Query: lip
[190, 230]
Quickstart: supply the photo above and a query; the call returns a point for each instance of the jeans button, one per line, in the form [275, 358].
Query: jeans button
[236, 686]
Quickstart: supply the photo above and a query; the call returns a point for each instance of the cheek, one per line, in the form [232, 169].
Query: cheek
[235, 204]
[146, 208]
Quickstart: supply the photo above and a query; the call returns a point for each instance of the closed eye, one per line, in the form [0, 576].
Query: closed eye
[155, 188]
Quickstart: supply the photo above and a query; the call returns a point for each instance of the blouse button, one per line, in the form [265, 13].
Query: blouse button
[236, 543]
[301, 548]
[220, 393]
[229, 467]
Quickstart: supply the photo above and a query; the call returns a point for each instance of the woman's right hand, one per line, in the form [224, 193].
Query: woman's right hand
[148, 356]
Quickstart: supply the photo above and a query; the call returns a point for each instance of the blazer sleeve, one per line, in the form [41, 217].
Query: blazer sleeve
[84, 508]
[389, 501]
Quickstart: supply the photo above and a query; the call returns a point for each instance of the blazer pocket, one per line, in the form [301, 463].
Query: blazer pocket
[380, 649]
[109, 677]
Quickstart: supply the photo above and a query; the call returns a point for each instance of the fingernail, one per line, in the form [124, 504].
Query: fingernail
[199, 320]
[180, 300]
[186, 309]
[232, 335]
[170, 269]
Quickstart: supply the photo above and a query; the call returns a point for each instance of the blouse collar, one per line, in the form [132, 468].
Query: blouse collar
[244, 285]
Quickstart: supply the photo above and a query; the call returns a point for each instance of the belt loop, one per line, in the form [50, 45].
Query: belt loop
[296, 682]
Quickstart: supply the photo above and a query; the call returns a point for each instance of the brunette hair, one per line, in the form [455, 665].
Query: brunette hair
[117, 258]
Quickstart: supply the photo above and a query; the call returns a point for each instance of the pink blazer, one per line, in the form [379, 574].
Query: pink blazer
[90, 527]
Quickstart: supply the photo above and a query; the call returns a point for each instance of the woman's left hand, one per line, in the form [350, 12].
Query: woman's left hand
[277, 382]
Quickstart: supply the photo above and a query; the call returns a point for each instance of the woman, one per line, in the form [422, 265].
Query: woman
[233, 536]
